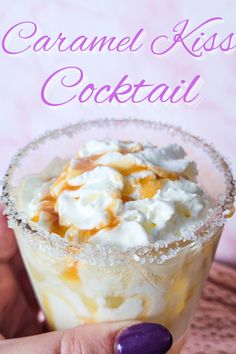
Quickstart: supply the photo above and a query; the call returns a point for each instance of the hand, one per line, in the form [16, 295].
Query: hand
[22, 333]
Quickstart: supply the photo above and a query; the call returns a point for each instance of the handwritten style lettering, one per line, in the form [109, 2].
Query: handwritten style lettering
[26, 36]
[69, 82]
[194, 41]
[67, 85]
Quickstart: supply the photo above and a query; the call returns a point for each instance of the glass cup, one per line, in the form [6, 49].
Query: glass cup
[85, 283]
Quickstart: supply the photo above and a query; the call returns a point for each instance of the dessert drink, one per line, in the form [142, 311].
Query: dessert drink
[118, 229]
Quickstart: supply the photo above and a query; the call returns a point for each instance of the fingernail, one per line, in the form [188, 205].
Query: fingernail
[148, 338]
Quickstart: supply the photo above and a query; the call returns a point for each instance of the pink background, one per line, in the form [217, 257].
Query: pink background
[24, 116]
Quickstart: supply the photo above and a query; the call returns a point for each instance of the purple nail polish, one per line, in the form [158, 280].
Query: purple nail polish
[144, 338]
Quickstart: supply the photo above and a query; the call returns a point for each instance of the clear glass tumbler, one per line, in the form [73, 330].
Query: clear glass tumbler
[84, 283]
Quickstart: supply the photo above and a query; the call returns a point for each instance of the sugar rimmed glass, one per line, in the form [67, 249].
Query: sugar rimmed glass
[85, 283]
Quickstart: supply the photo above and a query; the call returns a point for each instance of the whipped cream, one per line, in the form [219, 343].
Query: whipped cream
[118, 193]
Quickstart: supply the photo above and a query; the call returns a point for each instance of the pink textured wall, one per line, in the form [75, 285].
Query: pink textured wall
[24, 116]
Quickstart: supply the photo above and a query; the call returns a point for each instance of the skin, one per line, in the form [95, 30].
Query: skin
[20, 330]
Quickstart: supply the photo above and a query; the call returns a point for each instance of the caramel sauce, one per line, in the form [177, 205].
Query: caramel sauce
[57, 228]
[186, 213]
[128, 170]
[68, 187]
[60, 182]
[164, 173]
[113, 302]
[48, 198]
[128, 188]
[148, 187]
[131, 150]
[70, 274]
[35, 218]
[48, 206]
[114, 222]
[84, 235]
[86, 164]
[126, 198]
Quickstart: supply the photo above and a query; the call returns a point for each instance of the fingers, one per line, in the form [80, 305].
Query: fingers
[87, 339]
[106, 338]
[8, 245]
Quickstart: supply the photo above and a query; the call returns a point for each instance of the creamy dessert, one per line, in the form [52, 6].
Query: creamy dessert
[115, 230]
[117, 193]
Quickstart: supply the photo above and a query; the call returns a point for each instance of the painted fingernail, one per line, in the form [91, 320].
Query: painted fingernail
[148, 338]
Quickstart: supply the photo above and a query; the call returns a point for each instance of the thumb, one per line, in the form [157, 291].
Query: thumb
[105, 338]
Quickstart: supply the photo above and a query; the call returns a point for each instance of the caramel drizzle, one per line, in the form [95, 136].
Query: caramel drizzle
[148, 188]
[47, 205]
[86, 164]
[84, 235]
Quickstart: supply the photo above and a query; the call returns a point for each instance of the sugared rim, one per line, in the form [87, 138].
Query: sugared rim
[156, 252]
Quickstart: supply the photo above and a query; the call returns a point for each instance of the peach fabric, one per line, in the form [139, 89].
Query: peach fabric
[213, 330]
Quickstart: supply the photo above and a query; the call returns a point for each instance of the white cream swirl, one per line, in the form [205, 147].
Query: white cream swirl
[120, 193]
